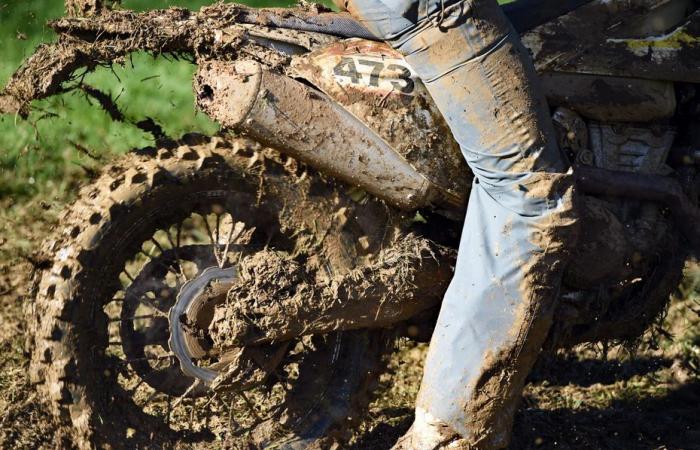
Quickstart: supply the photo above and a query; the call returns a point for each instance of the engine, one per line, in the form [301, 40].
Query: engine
[629, 248]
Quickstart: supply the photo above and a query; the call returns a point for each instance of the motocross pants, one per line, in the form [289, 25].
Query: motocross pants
[520, 223]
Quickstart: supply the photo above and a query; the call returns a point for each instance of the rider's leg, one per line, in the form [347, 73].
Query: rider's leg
[520, 222]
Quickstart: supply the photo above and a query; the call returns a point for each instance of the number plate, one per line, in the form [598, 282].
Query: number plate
[369, 67]
[391, 75]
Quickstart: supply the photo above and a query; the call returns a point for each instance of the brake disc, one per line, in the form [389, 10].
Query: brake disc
[191, 294]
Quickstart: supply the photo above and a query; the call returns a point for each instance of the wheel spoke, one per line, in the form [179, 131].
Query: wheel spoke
[157, 337]
[132, 318]
[228, 244]
[187, 392]
[167, 267]
[147, 302]
[179, 234]
[192, 409]
[207, 414]
[168, 410]
[218, 226]
[213, 239]
[209, 232]
[209, 400]
[175, 247]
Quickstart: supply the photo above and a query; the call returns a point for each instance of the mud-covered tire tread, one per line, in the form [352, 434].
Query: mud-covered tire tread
[122, 185]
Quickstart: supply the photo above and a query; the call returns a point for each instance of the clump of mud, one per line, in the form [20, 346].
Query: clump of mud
[267, 279]
[278, 297]
[86, 7]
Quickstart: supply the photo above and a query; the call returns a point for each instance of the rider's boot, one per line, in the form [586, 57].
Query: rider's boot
[519, 225]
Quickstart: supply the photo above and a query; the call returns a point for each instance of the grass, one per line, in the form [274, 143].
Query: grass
[41, 155]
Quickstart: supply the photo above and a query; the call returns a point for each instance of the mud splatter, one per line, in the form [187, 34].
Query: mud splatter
[277, 298]
[496, 390]
[217, 31]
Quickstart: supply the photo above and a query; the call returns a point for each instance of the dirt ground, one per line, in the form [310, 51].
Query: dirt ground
[641, 398]
[577, 400]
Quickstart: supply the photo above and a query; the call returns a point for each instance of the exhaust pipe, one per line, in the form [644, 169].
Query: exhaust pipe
[305, 124]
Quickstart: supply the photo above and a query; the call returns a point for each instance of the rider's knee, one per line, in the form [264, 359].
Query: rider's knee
[389, 20]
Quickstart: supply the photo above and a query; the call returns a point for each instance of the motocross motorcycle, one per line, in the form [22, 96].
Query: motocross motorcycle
[248, 287]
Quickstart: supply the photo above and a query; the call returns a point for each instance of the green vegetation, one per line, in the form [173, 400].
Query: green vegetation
[42, 154]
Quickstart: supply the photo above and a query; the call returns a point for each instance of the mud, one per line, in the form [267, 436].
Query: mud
[298, 280]
[216, 31]
[277, 298]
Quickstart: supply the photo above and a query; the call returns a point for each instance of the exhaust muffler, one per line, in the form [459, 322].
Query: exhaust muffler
[305, 124]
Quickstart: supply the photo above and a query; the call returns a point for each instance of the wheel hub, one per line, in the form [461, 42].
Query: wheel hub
[188, 306]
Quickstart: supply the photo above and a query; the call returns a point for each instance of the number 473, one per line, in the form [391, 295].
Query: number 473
[399, 76]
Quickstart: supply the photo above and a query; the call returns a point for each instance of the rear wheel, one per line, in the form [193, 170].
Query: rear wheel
[133, 239]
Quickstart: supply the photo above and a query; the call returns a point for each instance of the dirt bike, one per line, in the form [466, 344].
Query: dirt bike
[248, 288]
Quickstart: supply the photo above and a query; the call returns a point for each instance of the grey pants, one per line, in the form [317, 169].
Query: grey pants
[520, 221]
